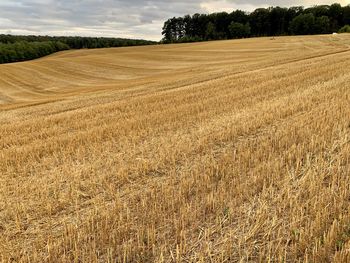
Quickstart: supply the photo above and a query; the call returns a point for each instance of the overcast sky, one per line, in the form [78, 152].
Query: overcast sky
[115, 18]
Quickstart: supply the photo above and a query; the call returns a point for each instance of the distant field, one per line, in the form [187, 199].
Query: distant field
[226, 151]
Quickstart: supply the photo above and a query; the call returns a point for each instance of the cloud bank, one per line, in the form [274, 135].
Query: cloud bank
[114, 18]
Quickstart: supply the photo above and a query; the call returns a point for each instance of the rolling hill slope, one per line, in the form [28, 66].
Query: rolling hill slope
[207, 152]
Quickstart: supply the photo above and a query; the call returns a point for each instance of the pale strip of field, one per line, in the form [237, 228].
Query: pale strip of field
[220, 151]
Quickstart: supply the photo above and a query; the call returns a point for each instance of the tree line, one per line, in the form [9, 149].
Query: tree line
[272, 21]
[21, 48]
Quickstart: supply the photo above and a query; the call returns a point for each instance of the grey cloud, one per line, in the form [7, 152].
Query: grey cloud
[109, 17]
[120, 18]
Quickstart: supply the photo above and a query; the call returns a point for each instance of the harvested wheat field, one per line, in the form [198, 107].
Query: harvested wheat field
[226, 151]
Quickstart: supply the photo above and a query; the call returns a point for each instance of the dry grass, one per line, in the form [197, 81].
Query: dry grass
[228, 151]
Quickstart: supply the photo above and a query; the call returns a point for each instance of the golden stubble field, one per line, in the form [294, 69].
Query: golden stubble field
[227, 151]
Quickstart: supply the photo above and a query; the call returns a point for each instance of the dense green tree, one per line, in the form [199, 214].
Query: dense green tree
[273, 21]
[345, 29]
[169, 30]
[260, 22]
[201, 25]
[23, 50]
[322, 25]
[20, 48]
[278, 21]
[239, 30]
[336, 16]
[221, 22]
[346, 15]
[239, 16]
[188, 26]
[210, 32]
[318, 11]
[303, 24]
